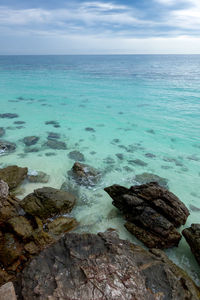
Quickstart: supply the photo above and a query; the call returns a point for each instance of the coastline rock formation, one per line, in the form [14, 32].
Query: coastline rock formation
[13, 175]
[152, 213]
[84, 174]
[192, 236]
[91, 267]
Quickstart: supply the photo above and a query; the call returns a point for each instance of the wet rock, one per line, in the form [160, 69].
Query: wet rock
[2, 131]
[52, 123]
[30, 140]
[21, 226]
[61, 225]
[6, 147]
[152, 213]
[4, 189]
[192, 236]
[8, 116]
[138, 162]
[90, 129]
[10, 249]
[194, 208]
[54, 144]
[48, 202]
[151, 131]
[19, 122]
[120, 156]
[13, 175]
[76, 155]
[53, 135]
[38, 176]
[31, 150]
[50, 154]
[7, 292]
[9, 207]
[88, 266]
[150, 155]
[150, 177]
[109, 160]
[84, 174]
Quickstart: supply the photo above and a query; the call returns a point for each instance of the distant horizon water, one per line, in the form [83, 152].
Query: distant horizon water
[125, 115]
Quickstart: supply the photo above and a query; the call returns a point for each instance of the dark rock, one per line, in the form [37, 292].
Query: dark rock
[115, 141]
[21, 226]
[48, 202]
[8, 116]
[51, 123]
[38, 176]
[152, 213]
[9, 207]
[90, 129]
[53, 135]
[58, 145]
[61, 225]
[91, 267]
[151, 131]
[30, 140]
[76, 155]
[31, 150]
[120, 156]
[109, 160]
[150, 177]
[50, 154]
[10, 249]
[13, 175]
[138, 162]
[6, 147]
[19, 122]
[150, 155]
[2, 131]
[84, 174]
[192, 236]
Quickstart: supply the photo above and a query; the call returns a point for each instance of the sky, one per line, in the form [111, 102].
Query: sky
[99, 27]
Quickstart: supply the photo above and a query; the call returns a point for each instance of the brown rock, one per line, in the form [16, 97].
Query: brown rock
[39, 176]
[192, 236]
[13, 175]
[84, 174]
[61, 225]
[9, 207]
[48, 202]
[21, 226]
[4, 189]
[152, 213]
[10, 249]
[91, 267]
[7, 292]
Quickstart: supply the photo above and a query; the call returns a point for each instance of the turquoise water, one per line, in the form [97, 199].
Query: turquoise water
[151, 104]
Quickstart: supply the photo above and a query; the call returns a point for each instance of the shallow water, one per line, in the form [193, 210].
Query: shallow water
[141, 107]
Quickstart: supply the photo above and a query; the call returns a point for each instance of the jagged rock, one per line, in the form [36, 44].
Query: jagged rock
[76, 155]
[84, 174]
[4, 189]
[9, 207]
[152, 213]
[91, 267]
[61, 225]
[10, 249]
[55, 144]
[38, 176]
[13, 175]
[6, 147]
[8, 116]
[47, 202]
[21, 226]
[7, 292]
[150, 177]
[192, 236]
[2, 131]
[30, 140]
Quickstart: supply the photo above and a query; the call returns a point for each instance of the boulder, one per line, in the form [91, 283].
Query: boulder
[192, 236]
[84, 174]
[150, 177]
[152, 213]
[38, 177]
[55, 144]
[30, 140]
[7, 292]
[9, 207]
[47, 202]
[10, 249]
[21, 226]
[2, 131]
[8, 116]
[61, 225]
[88, 266]
[6, 147]
[13, 175]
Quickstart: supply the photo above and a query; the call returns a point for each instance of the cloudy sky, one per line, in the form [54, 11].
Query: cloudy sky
[99, 27]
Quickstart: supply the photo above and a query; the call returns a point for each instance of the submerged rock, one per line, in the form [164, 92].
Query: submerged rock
[84, 174]
[76, 155]
[152, 213]
[55, 144]
[6, 147]
[8, 116]
[30, 140]
[192, 236]
[150, 177]
[91, 267]
[53, 135]
[138, 162]
[48, 202]
[13, 175]
[38, 176]
[2, 131]
[90, 129]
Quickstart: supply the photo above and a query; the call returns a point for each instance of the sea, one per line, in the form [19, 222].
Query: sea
[126, 114]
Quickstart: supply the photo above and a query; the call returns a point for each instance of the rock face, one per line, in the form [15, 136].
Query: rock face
[47, 201]
[84, 174]
[152, 213]
[30, 140]
[13, 175]
[192, 236]
[7, 292]
[6, 147]
[149, 177]
[91, 267]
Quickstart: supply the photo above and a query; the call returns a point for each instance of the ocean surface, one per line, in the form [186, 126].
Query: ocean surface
[137, 107]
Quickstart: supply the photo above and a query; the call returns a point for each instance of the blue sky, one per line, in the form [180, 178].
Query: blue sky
[99, 27]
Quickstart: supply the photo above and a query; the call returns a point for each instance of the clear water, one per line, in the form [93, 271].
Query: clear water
[150, 103]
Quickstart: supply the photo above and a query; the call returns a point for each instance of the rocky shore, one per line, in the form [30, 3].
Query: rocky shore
[39, 259]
